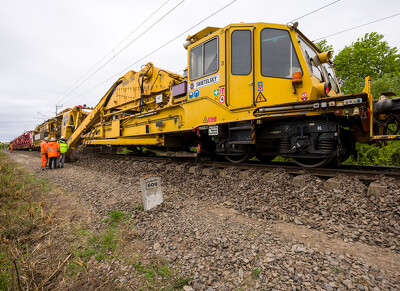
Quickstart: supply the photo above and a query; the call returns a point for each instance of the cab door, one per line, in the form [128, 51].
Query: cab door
[240, 67]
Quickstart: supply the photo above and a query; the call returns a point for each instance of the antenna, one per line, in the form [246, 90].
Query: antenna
[58, 106]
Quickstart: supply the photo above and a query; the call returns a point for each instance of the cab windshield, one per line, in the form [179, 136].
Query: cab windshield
[323, 72]
[278, 57]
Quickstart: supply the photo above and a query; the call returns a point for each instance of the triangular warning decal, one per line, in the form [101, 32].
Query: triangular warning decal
[260, 98]
[205, 120]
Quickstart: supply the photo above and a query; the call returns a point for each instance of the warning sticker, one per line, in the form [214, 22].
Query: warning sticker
[213, 130]
[304, 96]
[260, 98]
[222, 99]
[212, 119]
[209, 119]
[260, 86]
[222, 91]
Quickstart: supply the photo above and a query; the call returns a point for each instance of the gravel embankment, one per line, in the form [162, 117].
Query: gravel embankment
[220, 228]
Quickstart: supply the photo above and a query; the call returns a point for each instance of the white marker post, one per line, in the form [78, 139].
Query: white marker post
[151, 192]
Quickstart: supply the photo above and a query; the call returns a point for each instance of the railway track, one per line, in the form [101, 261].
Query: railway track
[367, 173]
[363, 172]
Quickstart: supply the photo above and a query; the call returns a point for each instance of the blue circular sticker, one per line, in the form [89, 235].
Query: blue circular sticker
[190, 95]
[196, 93]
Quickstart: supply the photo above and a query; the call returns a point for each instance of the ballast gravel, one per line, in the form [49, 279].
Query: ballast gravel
[228, 229]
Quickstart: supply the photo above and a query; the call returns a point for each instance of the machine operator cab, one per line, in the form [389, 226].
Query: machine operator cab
[245, 66]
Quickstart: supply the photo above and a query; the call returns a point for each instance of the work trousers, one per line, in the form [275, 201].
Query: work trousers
[60, 160]
[52, 160]
[44, 161]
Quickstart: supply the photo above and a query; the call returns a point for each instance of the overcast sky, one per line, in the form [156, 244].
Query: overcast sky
[47, 46]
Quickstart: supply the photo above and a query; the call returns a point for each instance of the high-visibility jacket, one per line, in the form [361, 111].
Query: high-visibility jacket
[53, 149]
[43, 147]
[63, 146]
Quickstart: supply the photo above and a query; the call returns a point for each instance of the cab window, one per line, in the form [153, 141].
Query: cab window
[278, 57]
[241, 52]
[204, 59]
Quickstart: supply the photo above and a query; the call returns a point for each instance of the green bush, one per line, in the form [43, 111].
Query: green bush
[387, 155]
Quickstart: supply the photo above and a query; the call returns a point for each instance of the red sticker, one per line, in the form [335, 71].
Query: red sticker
[222, 99]
[212, 119]
[304, 96]
[222, 91]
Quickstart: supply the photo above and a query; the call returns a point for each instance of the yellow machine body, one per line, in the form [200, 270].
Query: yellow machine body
[63, 124]
[237, 76]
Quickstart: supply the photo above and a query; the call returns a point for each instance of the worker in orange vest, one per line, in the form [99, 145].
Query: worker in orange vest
[11, 148]
[43, 152]
[53, 151]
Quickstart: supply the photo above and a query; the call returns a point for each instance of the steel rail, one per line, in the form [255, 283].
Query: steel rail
[367, 173]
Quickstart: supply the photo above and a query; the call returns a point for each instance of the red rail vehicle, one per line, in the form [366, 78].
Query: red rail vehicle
[24, 141]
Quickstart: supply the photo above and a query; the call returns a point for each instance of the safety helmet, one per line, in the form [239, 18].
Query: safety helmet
[46, 138]
[63, 137]
[52, 139]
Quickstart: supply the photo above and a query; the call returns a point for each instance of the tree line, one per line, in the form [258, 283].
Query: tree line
[371, 56]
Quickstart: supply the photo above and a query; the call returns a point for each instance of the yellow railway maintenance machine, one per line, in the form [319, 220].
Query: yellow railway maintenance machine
[63, 124]
[251, 89]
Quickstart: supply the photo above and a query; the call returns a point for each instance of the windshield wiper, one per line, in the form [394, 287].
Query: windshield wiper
[319, 70]
[309, 60]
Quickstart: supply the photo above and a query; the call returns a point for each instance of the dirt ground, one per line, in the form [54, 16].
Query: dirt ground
[225, 230]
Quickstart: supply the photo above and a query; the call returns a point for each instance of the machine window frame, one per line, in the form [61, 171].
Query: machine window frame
[293, 48]
[251, 52]
[202, 75]
[315, 63]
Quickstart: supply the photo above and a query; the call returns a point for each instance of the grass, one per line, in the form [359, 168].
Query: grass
[115, 217]
[25, 224]
[75, 268]
[101, 245]
[5, 272]
[21, 216]
[336, 270]
[159, 276]
[256, 273]
[139, 207]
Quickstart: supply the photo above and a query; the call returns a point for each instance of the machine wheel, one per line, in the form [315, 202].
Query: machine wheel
[312, 163]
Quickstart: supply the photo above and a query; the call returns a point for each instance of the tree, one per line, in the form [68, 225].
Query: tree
[388, 83]
[323, 46]
[368, 56]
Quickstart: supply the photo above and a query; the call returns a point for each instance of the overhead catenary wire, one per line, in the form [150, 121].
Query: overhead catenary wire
[314, 11]
[124, 48]
[146, 31]
[355, 27]
[121, 42]
[154, 51]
